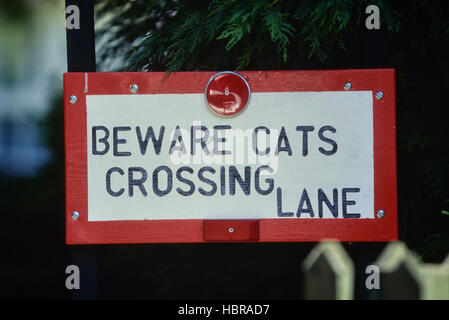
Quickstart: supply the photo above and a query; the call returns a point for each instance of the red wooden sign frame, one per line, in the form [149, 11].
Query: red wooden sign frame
[82, 231]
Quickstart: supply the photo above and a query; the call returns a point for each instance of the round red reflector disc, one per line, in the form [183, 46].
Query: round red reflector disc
[227, 93]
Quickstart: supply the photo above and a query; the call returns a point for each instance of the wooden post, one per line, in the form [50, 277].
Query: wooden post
[328, 273]
[403, 276]
[81, 58]
[435, 281]
[399, 273]
[81, 42]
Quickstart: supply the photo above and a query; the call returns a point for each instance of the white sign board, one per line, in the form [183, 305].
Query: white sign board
[143, 170]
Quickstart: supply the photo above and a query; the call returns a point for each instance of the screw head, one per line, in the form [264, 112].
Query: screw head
[380, 213]
[348, 86]
[75, 215]
[231, 229]
[133, 88]
[73, 99]
[379, 95]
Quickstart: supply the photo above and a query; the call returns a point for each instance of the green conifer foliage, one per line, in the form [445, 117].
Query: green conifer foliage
[230, 34]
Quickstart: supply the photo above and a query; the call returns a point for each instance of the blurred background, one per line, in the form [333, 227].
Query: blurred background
[197, 35]
[32, 61]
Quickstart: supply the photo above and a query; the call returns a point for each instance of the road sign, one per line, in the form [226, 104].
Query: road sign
[262, 156]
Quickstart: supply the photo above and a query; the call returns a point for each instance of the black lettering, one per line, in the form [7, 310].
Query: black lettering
[305, 141]
[208, 181]
[279, 205]
[347, 203]
[177, 137]
[235, 176]
[117, 141]
[194, 139]
[108, 182]
[283, 138]
[220, 140]
[305, 200]
[328, 140]
[156, 189]
[103, 140]
[136, 182]
[186, 181]
[333, 207]
[223, 180]
[255, 148]
[268, 180]
[157, 143]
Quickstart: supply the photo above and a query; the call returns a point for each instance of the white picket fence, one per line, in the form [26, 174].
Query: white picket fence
[329, 273]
